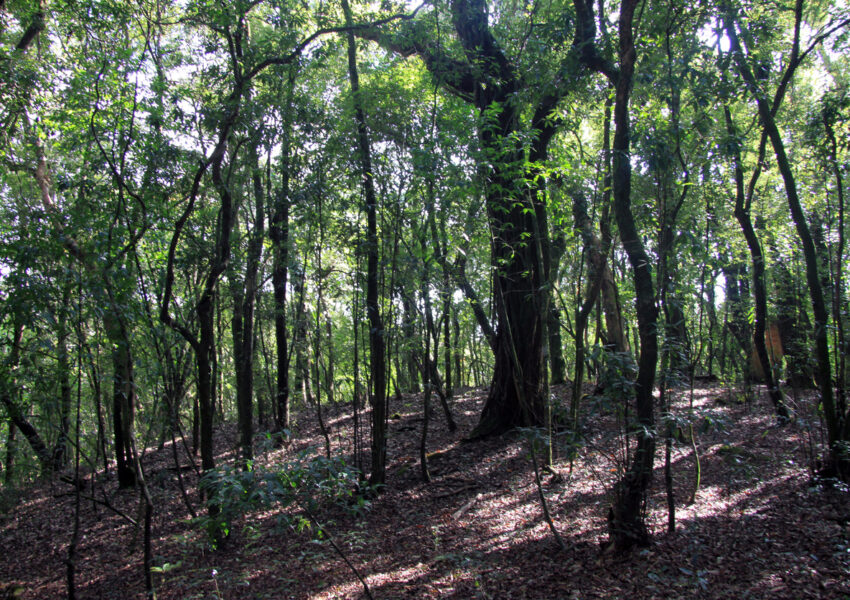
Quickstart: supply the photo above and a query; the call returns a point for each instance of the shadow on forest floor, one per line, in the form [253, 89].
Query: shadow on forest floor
[756, 529]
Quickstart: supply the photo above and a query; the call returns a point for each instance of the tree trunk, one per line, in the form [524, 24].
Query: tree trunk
[842, 341]
[377, 359]
[597, 263]
[9, 463]
[279, 234]
[447, 338]
[458, 350]
[60, 449]
[521, 256]
[742, 214]
[626, 523]
[557, 364]
[834, 420]
[489, 81]
[123, 397]
[409, 330]
[206, 387]
[243, 318]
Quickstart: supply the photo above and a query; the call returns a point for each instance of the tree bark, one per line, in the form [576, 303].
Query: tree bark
[377, 358]
[7, 397]
[488, 80]
[60, 449]
[9, 463]
[626, 523]
[843, 343]
[834, 420]
[742, 214]
[123, 397]
[243, 318]
[557, 364]
[279, 234]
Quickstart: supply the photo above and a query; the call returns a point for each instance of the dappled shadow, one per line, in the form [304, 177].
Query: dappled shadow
[756, 529]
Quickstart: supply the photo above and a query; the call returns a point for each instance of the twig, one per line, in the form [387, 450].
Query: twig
[333, 543]
[546, 514]
[459, 512]
[338, 550]
[105, 503]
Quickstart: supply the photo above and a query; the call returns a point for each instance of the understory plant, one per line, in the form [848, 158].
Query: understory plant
[308, 483]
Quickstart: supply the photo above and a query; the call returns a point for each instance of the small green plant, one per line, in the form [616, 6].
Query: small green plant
[309, 481]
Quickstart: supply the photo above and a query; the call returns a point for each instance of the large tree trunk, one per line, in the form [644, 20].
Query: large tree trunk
[515, 398]
[520, 250]
[487, 79]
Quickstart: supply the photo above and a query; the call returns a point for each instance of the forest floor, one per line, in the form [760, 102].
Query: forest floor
[758, 528]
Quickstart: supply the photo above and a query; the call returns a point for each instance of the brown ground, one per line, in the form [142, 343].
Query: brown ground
[758, 529]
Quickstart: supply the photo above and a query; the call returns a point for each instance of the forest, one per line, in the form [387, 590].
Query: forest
[438, 298]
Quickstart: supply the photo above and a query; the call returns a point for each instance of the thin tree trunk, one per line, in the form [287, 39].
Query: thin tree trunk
[426, 380]
[557, 364]
[377, 359]
[243, 318]
[30, 433]
[843, 343]
[71, 561]
[742, 214]
[834, 420]
[458, 350]
[626, 519]
[279, 234]
[317, 343]
[9, 464]
[123, 396]
[355, 402]
[597, 262]
[60, 449]
[409, 332]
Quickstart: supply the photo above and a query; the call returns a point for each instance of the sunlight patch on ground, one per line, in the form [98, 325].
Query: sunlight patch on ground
[353, 587]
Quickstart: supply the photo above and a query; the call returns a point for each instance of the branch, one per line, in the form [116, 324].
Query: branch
[473, 30]
[455, 75]
[296, 52]
[36, 27]
[460, 277]
[112, 167]
[17, 167]
[584, 42]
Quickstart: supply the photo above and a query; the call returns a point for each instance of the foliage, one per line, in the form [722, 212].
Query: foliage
[296, 489]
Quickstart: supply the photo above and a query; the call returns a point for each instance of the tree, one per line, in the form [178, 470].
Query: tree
[489, 81]
[834, 415]
[377, 344]
[625, 520]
